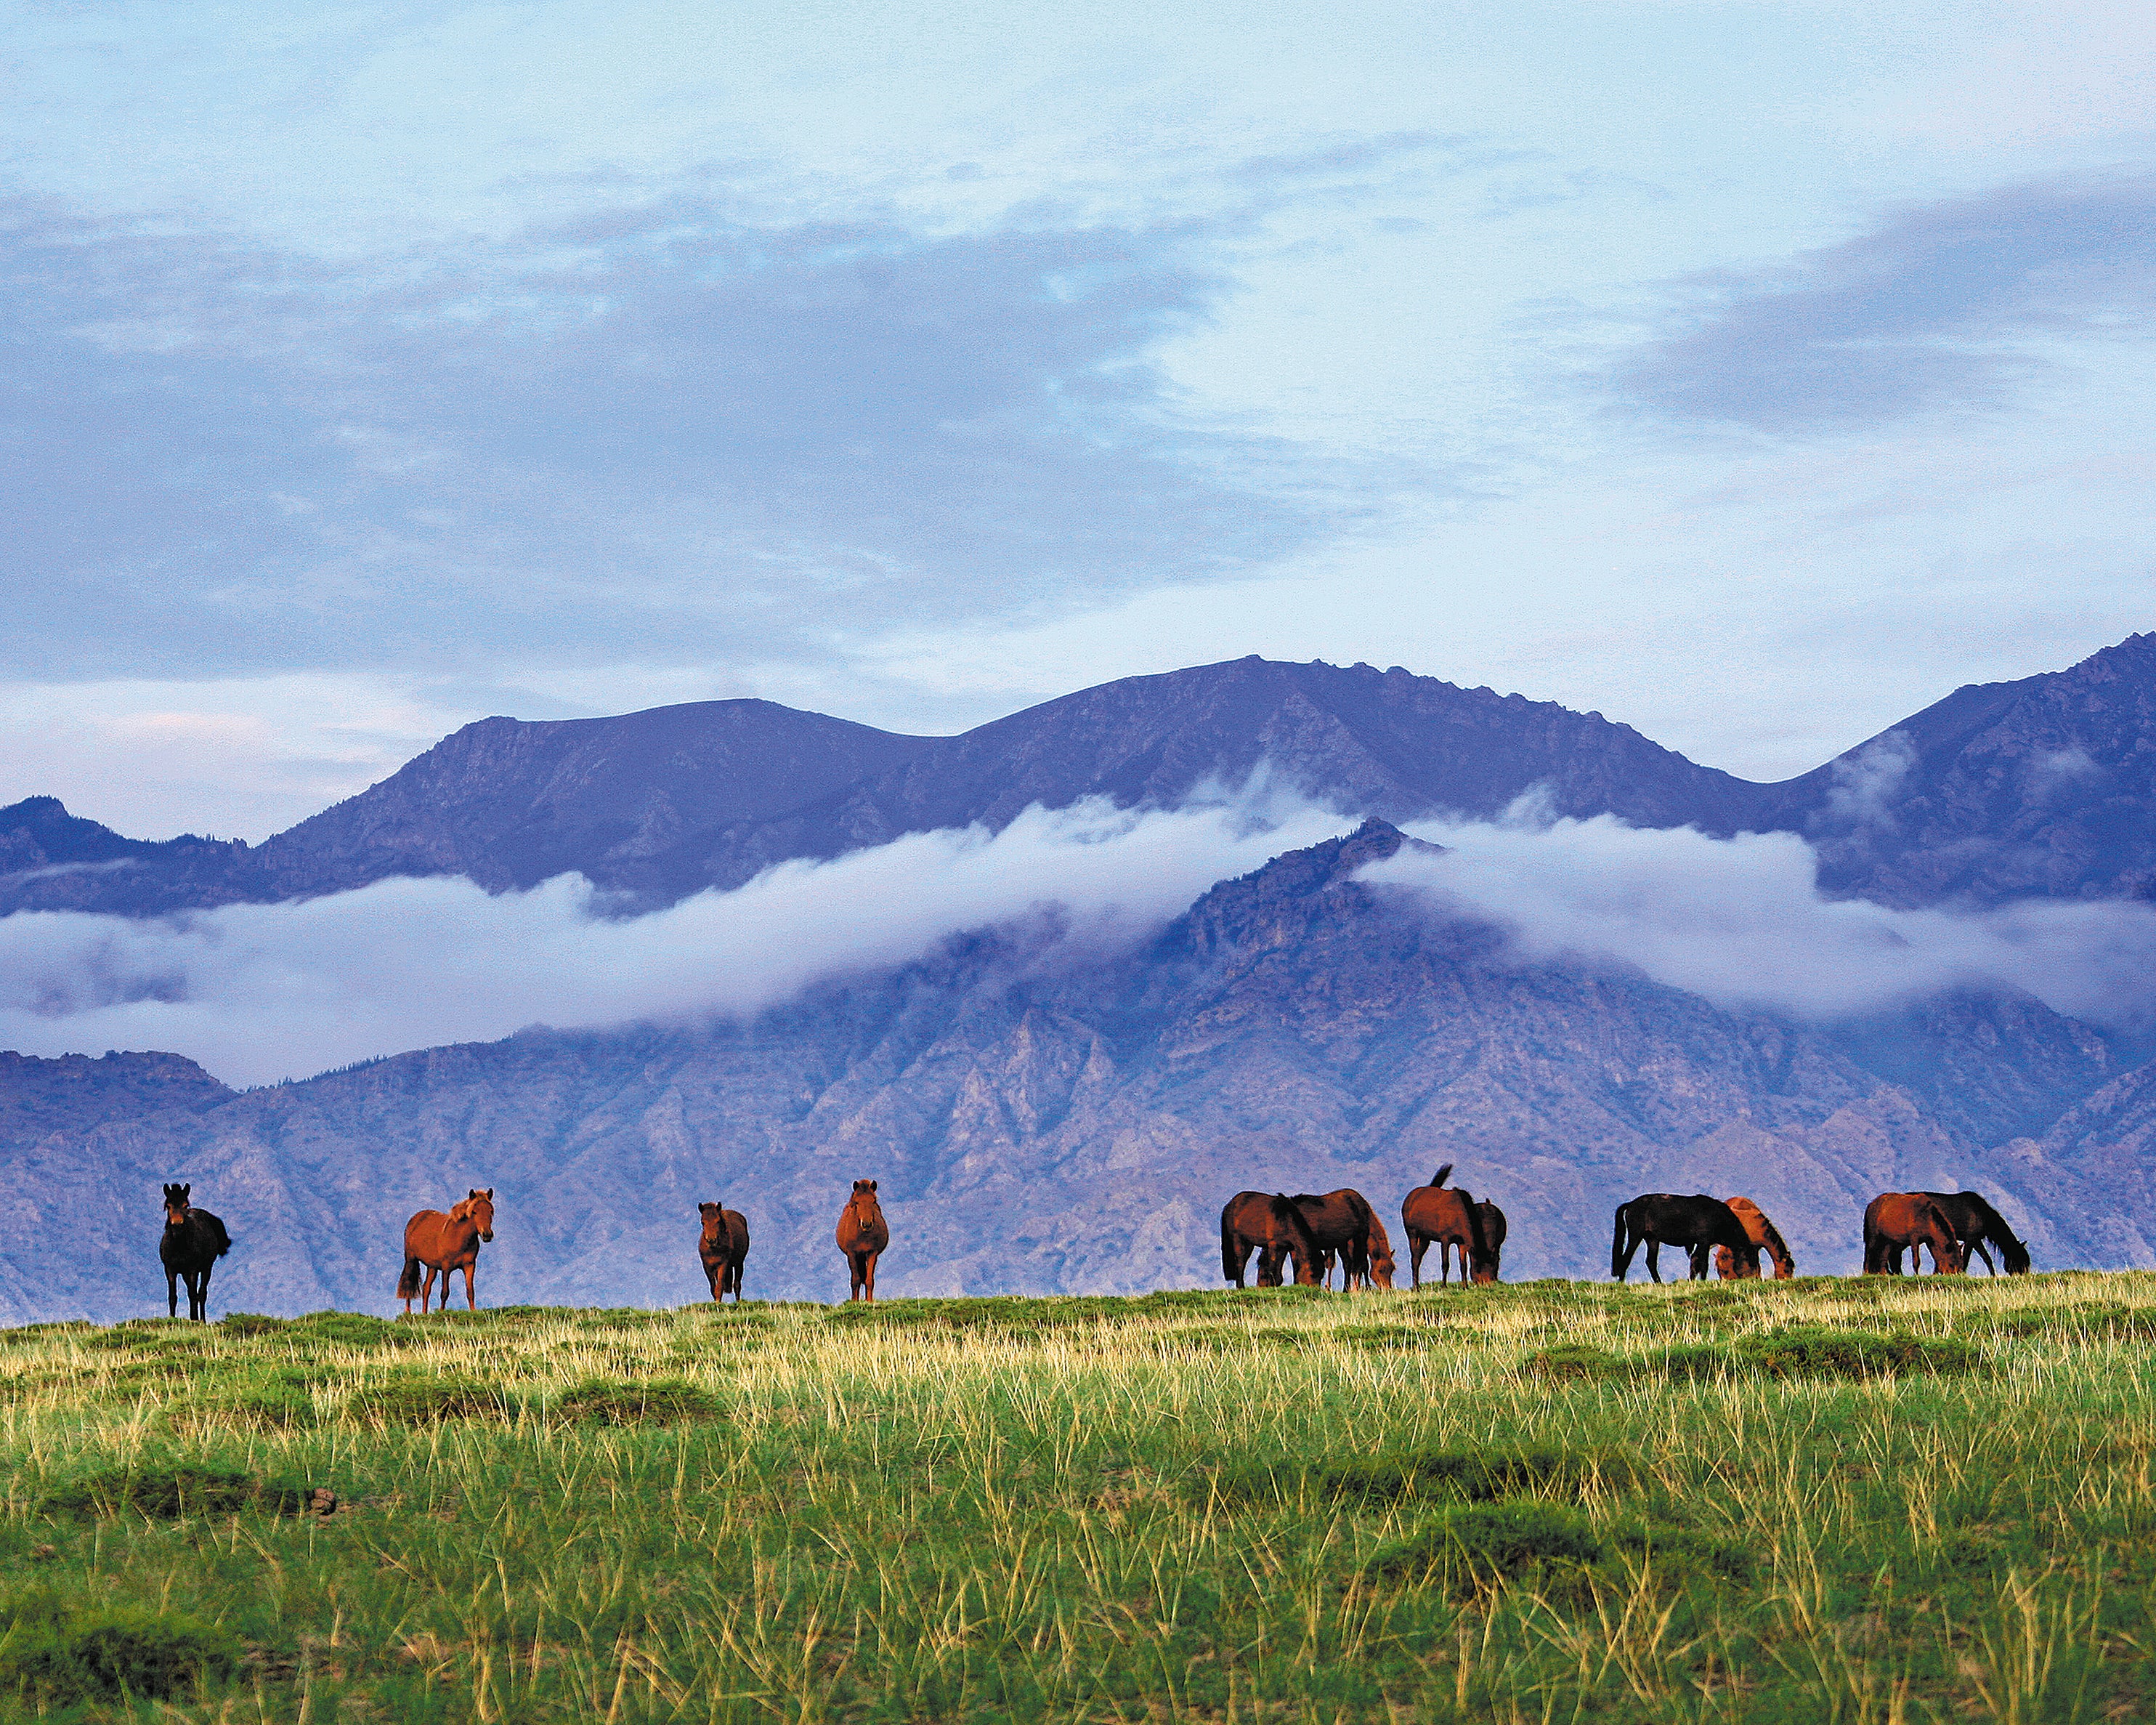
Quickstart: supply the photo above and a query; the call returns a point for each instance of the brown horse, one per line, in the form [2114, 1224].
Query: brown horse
[1898, 1221]
[193, 1241]
[1433, 1214]
[1270, 1224]
[1379, 1247]
[1340, 1222]
[863, 1235]
[445, 1244]
[1764, 1234]
[723, 1247]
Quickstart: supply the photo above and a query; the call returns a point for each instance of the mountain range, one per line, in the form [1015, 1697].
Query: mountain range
[1045, 1116]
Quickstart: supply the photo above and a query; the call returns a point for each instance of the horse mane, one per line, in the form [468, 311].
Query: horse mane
[1475, 1235]
[1285, 1209]
[1778, 1248]
[1997, 1233]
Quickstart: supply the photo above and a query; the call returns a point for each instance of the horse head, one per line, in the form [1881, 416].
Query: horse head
[1381, 1262]
[715, 1220]
[864, 1204]
[176, 1205]
[477, 1207]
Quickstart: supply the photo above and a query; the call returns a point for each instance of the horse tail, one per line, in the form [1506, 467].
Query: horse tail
[408, 1284]
[1229, 1266]
[1618, 1257]
[220, 1242]
[1438, 1178]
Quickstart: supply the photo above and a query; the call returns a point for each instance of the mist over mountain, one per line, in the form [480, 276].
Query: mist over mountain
[1047, 1113]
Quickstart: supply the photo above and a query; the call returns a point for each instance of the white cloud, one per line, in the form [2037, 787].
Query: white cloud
[1742, 922]
[260, 992]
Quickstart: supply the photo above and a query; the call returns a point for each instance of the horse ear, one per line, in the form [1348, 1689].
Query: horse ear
[188, 1188]
[872, 1186]
[489, 1192]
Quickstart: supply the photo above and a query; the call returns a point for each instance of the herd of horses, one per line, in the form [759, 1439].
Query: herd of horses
[1314, 1232]
[1309, 1234]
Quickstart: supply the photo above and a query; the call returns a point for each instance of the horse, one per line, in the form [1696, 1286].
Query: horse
[863, 1235]
[1340, 1224]
[1895, 1221]
[1765, 1235]
[1976, 1226]
[1493, 1233]
[723, 1246]
[1379, 1248]
[1430, 1214]
[1698, 1223]
[193, 1241]
[445, 1243]
[1272, 1225]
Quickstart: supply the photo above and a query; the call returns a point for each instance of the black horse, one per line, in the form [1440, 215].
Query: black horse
[1977, 1225]
[1493, 1231]
[194, 1240]
[1698, 1223]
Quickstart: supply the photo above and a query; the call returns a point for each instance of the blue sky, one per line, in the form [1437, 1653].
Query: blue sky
[1753, 373]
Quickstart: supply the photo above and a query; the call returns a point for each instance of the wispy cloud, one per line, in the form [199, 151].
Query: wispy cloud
[1939, 307]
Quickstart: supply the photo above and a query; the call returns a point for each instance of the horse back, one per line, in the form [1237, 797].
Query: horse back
[433, 1236]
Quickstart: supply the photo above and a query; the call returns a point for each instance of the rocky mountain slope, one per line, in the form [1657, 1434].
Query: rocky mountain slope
[1044, 1119]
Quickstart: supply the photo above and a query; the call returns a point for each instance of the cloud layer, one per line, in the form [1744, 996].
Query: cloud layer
[1742, 922]
[258, 993]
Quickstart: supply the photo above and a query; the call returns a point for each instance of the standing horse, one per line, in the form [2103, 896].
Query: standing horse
[443, 1245]
[193, 1241]
[1976, 1226]
[1765, 1235]
[1493, 1233]
[1895, 1221]
[1431, 1215]
[1340, 1222]
[1271, 1225]
[863, 1235]
[1698, 1223]
[723, 1247]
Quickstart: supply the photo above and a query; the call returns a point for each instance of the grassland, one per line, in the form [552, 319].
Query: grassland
[1816, 1501]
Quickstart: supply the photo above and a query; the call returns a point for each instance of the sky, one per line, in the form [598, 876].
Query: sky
[1754, 374]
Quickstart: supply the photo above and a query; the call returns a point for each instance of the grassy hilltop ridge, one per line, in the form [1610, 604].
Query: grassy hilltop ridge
[1820, 1499]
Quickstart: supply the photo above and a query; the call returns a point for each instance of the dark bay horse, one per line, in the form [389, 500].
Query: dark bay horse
[192, 1243]
[1898, 1221]
[863, 1235]
[1340, 1222]
[1270, 1224]
[442, 1244]
[1493, 1233]
[1765, 1235]
[1698, 1223]
[1436, 1215]
[1977, 1226]
[723, 1247]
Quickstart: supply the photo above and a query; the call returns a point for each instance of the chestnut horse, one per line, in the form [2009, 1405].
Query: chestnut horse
[1898, 1221]
[1340, 1222]
[723, 1247]
[1272, 1225]
[1434, 1215]
[1977, 1226]
[863, 1235]
[1765, 1235]
[193, 1241]
[445, 1245]
[1698, 1223]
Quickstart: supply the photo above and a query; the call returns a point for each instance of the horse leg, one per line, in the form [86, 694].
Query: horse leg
[1698, 1266]
[427, 1289]
[198, 1294]
[171, 1292]
[1417, 1245]
[471, 1297]
[1654, 1258]
[1978, 1248]
[873, 1256]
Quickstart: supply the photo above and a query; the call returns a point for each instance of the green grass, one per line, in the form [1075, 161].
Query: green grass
[1818, 1501]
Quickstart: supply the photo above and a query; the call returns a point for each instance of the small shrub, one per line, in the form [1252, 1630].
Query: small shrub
[168, 1493]
[54, 1655]
[1471, 1475]
[1572, 1360]
[421, 1400]
[1677, 1554]
[349, 1329]
[654, 1400]
[1813, 1351]
[251, 1323]
[1482, 1548]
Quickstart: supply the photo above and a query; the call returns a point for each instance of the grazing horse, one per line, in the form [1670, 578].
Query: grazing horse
[1272, 1225]
[863, 1235]
[445, 1245]
[1432, 1215]
[1977, 1226]
[723, 1247]
[1698, 1223]
[1340, 1222]
[1379, 1248]
[1765, 1235]
[1895, 1221]
[192, 1243]
[1493, 1233]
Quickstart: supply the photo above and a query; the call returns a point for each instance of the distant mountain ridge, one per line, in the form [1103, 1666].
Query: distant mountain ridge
[1050, 1126]
[2046, 786]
